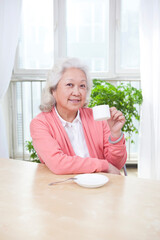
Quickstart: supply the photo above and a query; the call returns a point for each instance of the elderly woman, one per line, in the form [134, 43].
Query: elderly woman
[65, 135]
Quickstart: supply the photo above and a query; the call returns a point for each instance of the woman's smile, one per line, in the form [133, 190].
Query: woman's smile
[75, 100]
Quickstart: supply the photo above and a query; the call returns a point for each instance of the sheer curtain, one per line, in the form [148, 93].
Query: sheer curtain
[149, 152]
[9, 28]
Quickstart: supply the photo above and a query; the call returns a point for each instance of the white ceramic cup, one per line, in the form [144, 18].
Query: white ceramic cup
[101, 112]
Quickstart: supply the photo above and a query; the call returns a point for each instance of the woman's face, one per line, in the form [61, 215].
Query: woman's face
[71, 92]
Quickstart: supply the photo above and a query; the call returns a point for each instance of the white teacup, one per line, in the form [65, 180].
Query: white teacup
[101, 112]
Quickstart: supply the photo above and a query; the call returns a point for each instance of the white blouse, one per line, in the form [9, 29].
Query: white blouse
[75, 133]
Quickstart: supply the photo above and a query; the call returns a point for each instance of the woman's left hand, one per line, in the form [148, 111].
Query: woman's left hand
[116, 122]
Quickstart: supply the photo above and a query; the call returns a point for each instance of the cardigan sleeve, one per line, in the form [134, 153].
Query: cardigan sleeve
[116, 154]
[50, 153]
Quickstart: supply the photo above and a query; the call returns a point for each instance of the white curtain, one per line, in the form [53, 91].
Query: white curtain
[149, 151]
[9, 29]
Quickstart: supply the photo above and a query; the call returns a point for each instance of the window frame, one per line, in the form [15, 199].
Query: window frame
[59, 31]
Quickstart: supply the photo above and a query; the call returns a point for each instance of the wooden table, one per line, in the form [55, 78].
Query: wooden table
[125, 208]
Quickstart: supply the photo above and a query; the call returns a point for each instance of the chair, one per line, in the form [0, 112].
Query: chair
[125, 170]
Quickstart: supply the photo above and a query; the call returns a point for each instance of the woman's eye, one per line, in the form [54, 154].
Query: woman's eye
[69, 84]
[83, 86]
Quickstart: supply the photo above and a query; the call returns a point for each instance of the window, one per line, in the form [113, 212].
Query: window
[127, 49]
[103, 33]
[88, 32]
[35, 49]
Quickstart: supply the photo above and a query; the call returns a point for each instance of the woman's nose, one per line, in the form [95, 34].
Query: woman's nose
[76, 90]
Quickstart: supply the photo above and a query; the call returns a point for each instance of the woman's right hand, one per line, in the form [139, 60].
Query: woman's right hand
[112, 169]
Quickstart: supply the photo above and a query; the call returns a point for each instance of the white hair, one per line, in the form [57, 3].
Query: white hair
[55, 75]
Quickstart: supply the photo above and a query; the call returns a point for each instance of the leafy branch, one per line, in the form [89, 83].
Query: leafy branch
[33, 155]
[124, 97]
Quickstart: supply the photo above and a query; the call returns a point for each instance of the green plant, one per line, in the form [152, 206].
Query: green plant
[124, 97]
[33, 155]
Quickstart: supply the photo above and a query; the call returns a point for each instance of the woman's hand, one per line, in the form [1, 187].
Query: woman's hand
[116, 122]
[112, 169]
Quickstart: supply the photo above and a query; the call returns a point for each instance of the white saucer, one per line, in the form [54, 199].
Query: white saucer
[91, 180]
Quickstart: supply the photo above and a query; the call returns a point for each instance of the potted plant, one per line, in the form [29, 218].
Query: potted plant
[124, 97]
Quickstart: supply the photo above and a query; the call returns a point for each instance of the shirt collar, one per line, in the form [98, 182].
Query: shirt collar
[65, 123]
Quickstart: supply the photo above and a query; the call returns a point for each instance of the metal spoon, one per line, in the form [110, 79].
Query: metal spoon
[52, 183]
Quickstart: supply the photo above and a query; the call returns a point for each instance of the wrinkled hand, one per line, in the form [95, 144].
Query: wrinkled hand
[116, 122]
[112, 169]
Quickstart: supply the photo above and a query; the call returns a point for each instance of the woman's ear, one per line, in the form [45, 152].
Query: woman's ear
[53, 91]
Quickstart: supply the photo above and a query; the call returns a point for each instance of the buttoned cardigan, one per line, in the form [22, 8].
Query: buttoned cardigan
[54, 149]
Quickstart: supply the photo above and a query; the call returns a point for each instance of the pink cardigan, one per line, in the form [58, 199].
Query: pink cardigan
[53, 146]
